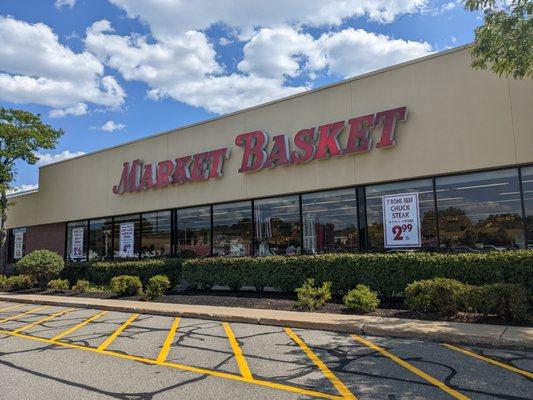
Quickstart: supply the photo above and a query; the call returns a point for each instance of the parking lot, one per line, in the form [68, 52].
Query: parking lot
[49, 352]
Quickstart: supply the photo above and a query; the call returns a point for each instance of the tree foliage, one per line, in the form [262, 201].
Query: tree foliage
[505, 40]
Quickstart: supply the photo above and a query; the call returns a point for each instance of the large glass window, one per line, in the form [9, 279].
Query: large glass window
[374, 211]
[193, 227]
[18, 246]
[480, 211]
[100, 239]
[126, 236]
[527, 188]
[232, 229]
[77, 241]
[277, 226]
[330, 221]
[156, 240]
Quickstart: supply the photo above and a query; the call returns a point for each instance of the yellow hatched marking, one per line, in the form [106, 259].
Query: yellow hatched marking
[115, 334]
[78, 326]
[162, 357]
[2, 320]
[241, 361]
[11, 308]
[411, 368]
[202, 371]
[341, 388]
[49, 317]
[490, 360]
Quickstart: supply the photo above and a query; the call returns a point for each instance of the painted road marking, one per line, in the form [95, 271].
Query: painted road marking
[162, 357]
[11, 308]
[241, 361]
[490, 360]
[49, 317]
[115, 334]
[80, 325]
[342, 389]
[411, 368]
[2, 320]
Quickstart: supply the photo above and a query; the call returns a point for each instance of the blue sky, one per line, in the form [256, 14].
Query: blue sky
[111, 71]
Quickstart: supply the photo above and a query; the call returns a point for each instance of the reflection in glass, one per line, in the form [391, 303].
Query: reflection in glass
[232, 229]
[125, 251]
[100, 238]
[330, 221]
[156, 240]
[80, 252]
[480, 211]
[277, 226]
[527, 188]
[374, 210]
[193, 226]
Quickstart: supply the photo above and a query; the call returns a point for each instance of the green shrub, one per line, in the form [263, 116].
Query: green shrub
[508, 301]
[3, 280]
[58, 285]
[156, 287]
[19, 282]
[311, 297]
[443, 296]
[101, 272]
[126, 285]
[361, 299]
[81, 285]
[43, 265]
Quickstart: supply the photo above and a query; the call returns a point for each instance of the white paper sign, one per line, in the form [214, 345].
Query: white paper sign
[127, 235]
[401, 220]
[76, 248]
[18, 245]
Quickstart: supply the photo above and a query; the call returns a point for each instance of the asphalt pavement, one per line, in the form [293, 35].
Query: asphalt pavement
[51, 352]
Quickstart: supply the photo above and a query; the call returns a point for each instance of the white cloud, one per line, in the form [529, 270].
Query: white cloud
[224, 41]
[111, 126]
[47, 158]
[22, 188]
[78, 109]
[62, 3]
[36, 68]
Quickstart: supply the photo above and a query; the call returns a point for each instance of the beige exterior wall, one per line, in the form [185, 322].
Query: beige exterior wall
[459, 120]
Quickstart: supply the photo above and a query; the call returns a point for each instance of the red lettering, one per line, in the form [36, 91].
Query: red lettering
[164, 172]
[328, 140]
[254, 144]
[305, 141]
[388, 119]
[147, 180]
[359, 139]
[129, 178]
[199, 168]
[216, 158]
[182, 173]
[279, 155]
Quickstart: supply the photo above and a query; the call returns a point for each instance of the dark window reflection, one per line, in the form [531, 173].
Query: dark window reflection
[277, 226]
[124, 249]
[100, 239]
[374, 210]
[527, 187]
[193, 226]
[330, 221]
[480, 211]
[78, 252]
[156, 238]
[232, 229]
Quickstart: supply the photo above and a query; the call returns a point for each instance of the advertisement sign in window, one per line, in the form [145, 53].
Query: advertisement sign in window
[401, 220]
[18, 240]
[76, 249]
[127, 235]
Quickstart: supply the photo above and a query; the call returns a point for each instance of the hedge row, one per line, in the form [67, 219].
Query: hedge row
[101, 273]
[388, 274]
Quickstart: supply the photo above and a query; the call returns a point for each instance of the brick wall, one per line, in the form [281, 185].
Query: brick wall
[49, 236]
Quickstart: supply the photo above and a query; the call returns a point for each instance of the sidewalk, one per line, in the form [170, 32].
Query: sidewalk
[438, 331]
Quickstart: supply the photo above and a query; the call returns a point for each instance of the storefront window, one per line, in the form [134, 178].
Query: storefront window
[232, 229]
[156, 240]
[527, 188]
[277, 226]
[193, 226]
[100, 239]
[18, 247]
[77, 241]
[126, 236]
[330, 221]
[480, 211]
[374, 211]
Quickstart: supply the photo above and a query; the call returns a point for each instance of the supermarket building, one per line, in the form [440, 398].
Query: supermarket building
[429, 154]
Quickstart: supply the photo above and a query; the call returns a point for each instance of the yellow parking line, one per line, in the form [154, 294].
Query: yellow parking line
[111, 338]
[11, 308]
[490, 360]
[411, 368]
[78, 326]
[162, 357]
[241, 361]
[49, 317]
[341, 388]
[2, 320]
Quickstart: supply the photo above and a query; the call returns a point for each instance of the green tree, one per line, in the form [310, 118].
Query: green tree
[505, 40]
[21, 135]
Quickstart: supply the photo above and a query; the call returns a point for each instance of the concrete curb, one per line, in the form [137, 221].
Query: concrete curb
[511, 337]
